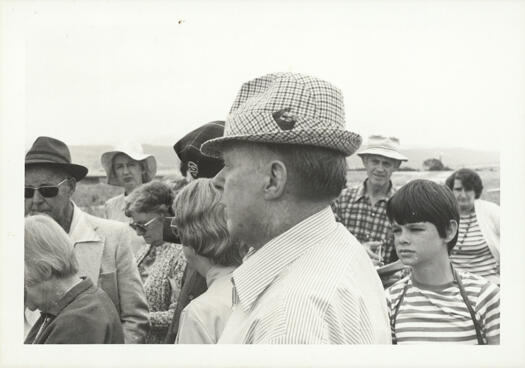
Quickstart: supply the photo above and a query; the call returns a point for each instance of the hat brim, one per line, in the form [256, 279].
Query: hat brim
[79, 172]
[385, 152]
[107, 161]
[336, 139]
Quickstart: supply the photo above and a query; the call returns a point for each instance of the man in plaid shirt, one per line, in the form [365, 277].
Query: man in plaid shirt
[363, 209]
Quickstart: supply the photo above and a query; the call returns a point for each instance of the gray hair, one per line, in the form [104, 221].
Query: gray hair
[48, 250]
[154, 196]
[318, 173]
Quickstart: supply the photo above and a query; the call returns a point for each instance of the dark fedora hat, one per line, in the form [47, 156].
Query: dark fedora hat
[47, 151]
[188, 149]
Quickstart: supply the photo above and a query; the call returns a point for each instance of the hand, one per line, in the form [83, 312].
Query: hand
[373, 248]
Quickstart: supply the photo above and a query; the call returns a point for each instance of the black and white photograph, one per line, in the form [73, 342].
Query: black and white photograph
[262, 184]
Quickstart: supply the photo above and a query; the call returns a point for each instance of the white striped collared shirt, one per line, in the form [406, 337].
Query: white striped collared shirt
[313, 284]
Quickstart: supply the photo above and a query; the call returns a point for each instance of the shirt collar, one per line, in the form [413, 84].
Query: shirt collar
[80, 230]
[361, 191]
[69, 296]
[216, 272]
[260, 269]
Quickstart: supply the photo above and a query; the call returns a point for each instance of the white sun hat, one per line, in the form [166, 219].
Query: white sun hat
[383, 146]
[134, 151]
[287, 108]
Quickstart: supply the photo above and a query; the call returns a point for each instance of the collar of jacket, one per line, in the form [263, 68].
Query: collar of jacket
[69, 296]
[89, 244]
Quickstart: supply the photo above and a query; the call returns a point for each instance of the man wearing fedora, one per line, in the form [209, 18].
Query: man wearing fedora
[306, 279]
[101, 246]
[363, 209]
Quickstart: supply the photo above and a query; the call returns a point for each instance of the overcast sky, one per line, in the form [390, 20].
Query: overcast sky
[431, 73]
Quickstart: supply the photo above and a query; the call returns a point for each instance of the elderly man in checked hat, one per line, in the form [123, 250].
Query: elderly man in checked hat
[362, 209]
[101, 246]
[306, 279]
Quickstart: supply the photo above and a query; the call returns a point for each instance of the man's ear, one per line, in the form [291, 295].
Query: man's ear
[397, 164]
[451, 231]
[72, 185]
[276, 179]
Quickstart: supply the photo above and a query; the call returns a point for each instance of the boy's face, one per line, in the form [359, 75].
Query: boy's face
[418, 243]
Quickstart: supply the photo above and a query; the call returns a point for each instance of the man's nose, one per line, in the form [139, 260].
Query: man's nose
[402, 237]
[37, 197]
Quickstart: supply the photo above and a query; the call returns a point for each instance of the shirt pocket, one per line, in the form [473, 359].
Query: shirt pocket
[108, 282]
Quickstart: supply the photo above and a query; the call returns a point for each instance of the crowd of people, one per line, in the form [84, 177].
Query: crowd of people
[261, 242]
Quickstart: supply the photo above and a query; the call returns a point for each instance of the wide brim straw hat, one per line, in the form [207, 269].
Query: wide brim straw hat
[133, 151]
[383, 146]
[287, 108]
[51, 152]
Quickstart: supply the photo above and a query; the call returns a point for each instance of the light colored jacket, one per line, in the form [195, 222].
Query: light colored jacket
[104, 255]
[487, 214]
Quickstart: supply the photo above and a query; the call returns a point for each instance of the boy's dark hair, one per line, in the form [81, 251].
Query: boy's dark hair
[425, 201]
[469, 179]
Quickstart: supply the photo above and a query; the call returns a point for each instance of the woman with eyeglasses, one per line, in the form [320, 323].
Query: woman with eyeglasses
[161, 265]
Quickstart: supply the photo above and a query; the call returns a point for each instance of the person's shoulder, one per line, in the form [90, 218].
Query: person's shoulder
[114, 200]
[93, 305]
[470, 279]
[350, 192]
[172, 249]
[486, 205]
[105, 224]
[398, 286]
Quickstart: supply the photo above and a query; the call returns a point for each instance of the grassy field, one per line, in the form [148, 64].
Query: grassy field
[91, 197]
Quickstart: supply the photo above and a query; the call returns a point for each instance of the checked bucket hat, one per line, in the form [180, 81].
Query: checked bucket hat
[287, 108]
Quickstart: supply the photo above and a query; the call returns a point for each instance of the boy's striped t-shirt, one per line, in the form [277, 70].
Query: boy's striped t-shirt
[431, 314]
[471, 252]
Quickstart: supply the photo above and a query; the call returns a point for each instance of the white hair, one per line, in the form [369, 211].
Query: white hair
[48, 250]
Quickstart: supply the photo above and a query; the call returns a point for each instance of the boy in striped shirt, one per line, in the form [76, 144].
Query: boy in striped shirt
[435, 303]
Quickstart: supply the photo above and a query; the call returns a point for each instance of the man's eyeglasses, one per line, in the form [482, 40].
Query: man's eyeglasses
[142, 228]
[46, 191]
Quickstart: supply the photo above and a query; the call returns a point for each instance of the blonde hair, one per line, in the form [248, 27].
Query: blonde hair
[48, 250]
[201, 223]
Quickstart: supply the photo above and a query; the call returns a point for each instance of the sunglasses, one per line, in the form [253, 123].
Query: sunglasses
[142, 228]
[46, 191]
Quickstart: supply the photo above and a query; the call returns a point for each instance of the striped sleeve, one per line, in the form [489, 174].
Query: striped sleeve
[488, 308]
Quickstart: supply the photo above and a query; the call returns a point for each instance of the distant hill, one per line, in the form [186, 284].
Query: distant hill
[454, 158]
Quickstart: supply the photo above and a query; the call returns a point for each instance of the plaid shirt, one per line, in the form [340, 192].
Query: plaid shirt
[354, 209]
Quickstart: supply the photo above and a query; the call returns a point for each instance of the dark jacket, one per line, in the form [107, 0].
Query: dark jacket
[84, 315]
